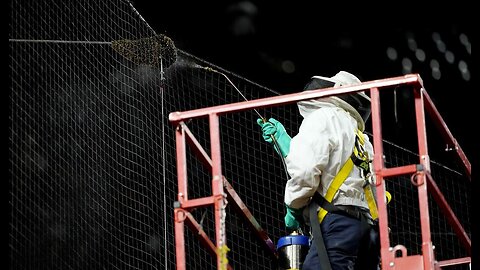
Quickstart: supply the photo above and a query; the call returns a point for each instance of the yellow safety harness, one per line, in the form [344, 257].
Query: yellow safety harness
[358, 158]
[361, 159]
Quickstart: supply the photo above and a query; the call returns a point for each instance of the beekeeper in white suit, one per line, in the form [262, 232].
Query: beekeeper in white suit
[331, 129]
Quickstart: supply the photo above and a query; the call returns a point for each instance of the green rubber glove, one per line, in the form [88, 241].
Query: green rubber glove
[275, 128]
[293, 218]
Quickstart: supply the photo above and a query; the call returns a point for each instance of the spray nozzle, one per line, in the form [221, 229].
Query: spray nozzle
[210, 69]
[297, 232]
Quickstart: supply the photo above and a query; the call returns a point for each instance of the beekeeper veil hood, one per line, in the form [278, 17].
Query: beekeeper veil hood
[357, 104]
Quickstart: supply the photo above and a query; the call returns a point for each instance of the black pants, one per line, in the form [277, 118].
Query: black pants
[351, 244]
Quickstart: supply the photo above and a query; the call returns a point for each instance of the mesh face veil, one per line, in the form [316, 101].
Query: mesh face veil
[359, 101]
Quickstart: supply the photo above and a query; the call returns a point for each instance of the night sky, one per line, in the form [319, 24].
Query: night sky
[282, 44]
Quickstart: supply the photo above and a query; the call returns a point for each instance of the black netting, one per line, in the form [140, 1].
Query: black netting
[92, 152]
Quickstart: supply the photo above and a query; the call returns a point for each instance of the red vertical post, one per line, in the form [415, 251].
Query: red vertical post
[218, 193]
[387, 257]
[179, 213]
[421, 181]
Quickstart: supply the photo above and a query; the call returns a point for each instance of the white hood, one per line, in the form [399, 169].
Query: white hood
[340, 79]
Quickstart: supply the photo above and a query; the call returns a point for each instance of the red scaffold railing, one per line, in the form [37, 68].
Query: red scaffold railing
[223, 191]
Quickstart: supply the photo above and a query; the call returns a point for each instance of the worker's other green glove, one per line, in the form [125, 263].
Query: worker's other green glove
[293, 218]
[275, 128]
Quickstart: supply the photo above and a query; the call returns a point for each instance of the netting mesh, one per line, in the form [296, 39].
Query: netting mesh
[88, 187]
[92, 153]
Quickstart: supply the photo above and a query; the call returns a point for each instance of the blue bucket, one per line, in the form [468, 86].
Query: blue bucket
[292, 250]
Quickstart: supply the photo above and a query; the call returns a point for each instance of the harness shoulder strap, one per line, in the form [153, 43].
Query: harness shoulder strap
[335, 185]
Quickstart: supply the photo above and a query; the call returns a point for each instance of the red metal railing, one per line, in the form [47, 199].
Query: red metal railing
[222, 190]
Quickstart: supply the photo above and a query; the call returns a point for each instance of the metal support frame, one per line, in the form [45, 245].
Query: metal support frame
[221, 189]
[420, 173]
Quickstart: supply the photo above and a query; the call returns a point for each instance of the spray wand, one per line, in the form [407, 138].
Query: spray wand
[259, 115]
[299, 230]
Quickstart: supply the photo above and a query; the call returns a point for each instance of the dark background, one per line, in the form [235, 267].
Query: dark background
[282, 44]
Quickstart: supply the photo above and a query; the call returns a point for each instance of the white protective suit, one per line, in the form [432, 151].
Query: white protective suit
[323, 144]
